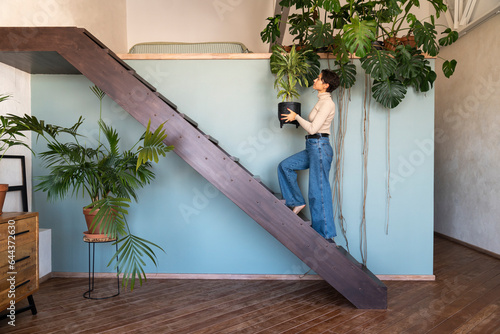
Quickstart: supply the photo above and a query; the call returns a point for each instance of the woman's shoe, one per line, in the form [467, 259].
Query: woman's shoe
[297, 209]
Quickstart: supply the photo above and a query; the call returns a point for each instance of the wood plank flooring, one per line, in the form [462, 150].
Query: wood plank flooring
[465, 298]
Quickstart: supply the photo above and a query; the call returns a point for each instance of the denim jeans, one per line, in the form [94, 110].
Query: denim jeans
[317, 157]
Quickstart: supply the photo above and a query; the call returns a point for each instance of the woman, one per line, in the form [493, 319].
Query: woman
[317, 157]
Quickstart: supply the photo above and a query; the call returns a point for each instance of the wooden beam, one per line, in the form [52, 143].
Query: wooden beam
[284, 11]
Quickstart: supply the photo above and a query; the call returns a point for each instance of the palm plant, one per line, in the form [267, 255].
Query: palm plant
[108, 176]
[9, 135]
[293, 69]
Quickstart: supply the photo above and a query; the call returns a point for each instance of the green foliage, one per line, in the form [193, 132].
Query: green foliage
[272, 30]
[425, 37]
[413, 69]
[108, 175]
[380, 64]
[130, 254]
[153, 146]
[359, 35]
[330, 5]
[450, 38]
[321, 35]
[299, 27]
[292, 69]
[352, 28]
[346, 73]
[389, 92]
[10, 134]
[449, 67]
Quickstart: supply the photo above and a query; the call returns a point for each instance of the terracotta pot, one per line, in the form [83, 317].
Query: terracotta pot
[391, 43]
[3, 191]
[288, 48]
[408, 40]
[97, 231]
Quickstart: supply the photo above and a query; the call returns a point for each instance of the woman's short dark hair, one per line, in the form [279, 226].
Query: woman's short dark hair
[331, 78]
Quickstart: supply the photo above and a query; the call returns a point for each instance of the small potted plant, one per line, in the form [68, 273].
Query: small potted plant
[108, 176]
[292, 69]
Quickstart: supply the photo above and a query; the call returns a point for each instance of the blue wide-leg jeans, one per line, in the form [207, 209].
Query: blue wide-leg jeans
[317, 157]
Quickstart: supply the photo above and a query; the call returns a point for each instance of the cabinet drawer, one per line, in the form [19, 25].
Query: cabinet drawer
[27, 274]
[25, 256]
[24, 230]
[23, 289]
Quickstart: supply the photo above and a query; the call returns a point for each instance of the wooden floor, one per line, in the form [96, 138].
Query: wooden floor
[465, 298]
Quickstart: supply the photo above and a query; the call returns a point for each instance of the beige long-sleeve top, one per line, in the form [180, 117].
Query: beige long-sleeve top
[321, 116]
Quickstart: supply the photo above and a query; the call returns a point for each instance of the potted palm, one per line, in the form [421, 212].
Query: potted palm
[9, 136]
[107, 176]
[292, 69]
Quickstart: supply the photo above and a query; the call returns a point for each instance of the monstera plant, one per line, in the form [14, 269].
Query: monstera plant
[358, 27]
[393, 71]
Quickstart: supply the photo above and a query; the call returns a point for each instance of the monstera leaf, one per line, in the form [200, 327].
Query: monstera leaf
[413, 69]
[359, 35]
[449, 67]
[321, 35]
[346, 73]
[450, 38]
[425, 79]
[389, 92]
[330, 5]
[425, 36]
[380, 64]
[410, 62]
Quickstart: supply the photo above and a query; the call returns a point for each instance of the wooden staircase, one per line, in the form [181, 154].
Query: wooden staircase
[70, 50]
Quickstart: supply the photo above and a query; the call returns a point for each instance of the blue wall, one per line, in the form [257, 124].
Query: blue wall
[201, 230]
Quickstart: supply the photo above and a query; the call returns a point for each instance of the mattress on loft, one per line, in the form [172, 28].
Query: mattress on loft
[207, 47]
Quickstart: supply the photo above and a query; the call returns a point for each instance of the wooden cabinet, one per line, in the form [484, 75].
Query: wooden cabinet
[19, 230]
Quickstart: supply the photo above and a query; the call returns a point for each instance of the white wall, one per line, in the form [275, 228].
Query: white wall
[104, 19]
[17, 84]
[467, 186]
[198, 21]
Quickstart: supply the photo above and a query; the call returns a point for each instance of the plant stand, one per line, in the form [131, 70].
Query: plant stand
[93, 241]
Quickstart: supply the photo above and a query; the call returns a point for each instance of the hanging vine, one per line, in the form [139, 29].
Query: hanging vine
[366, 132]
[387, 211]
[344, 96]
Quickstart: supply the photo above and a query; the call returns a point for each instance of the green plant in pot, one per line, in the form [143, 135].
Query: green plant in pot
[292, 69]
[9, 136]
[105, 175]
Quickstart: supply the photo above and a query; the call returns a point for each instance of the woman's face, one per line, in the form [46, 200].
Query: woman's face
[319, 85]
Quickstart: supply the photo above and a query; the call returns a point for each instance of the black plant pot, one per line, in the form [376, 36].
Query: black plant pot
[283, 109]
[378, 45]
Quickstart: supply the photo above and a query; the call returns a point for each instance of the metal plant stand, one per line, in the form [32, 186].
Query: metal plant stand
[88, 294]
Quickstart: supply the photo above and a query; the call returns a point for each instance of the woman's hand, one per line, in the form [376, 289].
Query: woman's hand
[289, 117]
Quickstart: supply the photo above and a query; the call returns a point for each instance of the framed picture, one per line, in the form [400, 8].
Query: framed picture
[13, 172]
